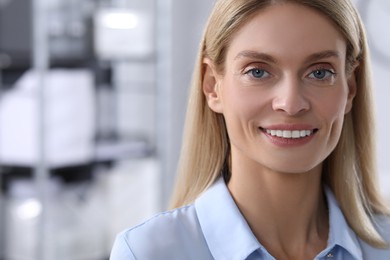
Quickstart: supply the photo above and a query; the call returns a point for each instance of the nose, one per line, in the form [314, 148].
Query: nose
[290, 97]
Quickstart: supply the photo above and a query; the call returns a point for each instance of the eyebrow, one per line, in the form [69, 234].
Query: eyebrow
[323, 55]
[255, 55]
[266, 57]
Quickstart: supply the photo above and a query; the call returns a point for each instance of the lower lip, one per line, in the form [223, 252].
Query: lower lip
[288, 142]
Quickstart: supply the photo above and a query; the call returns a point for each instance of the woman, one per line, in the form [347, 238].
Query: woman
[277, 160]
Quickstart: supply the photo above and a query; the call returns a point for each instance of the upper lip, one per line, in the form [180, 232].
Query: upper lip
[290, 127]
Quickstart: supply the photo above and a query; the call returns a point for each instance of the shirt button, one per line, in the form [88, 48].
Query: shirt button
[329, 255]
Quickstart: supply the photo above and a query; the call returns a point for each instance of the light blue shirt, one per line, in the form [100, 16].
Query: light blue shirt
[214, 228]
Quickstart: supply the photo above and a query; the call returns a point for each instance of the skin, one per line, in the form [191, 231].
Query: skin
[285, 69]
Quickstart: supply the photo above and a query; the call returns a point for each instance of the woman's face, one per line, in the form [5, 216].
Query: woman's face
[284, 91]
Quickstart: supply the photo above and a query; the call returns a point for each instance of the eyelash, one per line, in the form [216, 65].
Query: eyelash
[251, 72]
[329, 74]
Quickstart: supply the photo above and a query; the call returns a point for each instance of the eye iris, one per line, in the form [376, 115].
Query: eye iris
[257, 73]
[319, 74]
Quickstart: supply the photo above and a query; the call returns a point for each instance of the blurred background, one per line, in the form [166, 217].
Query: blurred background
[92, 103]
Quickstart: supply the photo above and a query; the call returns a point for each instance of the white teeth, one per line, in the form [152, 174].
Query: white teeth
[287, 134]
[296, 134]
[290, 134]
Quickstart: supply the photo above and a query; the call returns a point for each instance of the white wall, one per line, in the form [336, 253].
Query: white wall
[187, 19]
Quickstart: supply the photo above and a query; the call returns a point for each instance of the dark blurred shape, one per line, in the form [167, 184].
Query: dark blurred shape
[15, 39]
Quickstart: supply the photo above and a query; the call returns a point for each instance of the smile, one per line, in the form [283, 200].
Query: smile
[289, 134]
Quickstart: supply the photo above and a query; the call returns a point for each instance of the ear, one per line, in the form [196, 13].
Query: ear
[210, 86]
[351, 91]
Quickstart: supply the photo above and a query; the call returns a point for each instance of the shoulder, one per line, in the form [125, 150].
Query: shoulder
[382, 224]
[168, 235]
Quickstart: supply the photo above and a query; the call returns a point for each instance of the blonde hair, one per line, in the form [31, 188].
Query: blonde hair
[349, 170]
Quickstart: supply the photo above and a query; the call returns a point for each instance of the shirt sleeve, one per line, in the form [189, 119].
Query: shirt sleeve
[121, 249]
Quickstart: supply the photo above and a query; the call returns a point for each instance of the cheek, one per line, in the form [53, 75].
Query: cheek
[242, 114]
[334, 111]
[245, 102]
[332, 104]
[242, 111]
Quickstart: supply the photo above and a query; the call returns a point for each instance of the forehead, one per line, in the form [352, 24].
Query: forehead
[288, 31]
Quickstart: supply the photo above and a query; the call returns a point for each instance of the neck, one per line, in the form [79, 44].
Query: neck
[286, 211]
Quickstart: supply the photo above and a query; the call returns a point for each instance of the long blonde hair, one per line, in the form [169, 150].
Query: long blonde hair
[349, 170]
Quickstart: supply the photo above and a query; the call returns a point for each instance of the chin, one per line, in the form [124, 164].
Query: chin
[294, 168]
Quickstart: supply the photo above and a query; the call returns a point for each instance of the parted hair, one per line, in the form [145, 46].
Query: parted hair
[350, 169]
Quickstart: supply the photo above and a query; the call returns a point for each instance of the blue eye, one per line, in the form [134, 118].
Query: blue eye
[257, 73]
[321, 74]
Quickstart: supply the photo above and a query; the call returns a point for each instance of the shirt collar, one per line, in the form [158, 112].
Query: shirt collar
[340, 233]
[222, 223]
[225, 229]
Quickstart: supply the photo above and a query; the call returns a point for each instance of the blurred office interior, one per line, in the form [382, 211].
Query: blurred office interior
[92, 101]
